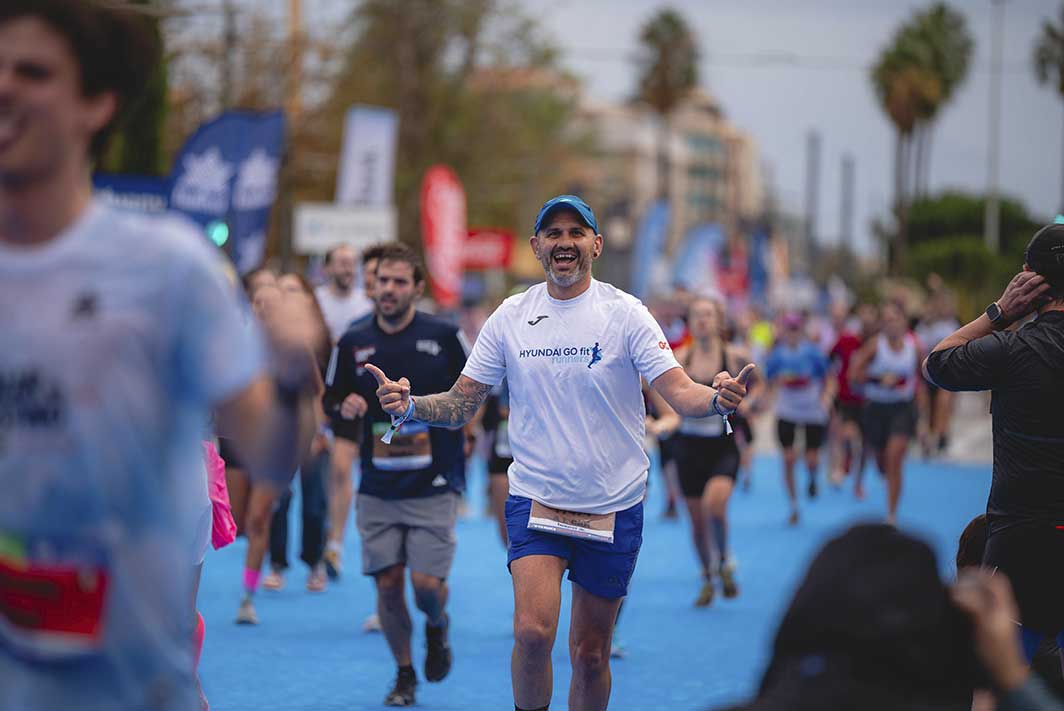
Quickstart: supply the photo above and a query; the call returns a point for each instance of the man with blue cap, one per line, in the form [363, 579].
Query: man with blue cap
[573, 350]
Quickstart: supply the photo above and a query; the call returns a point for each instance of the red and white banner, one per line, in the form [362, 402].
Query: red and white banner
[487, 249]
[443, 231]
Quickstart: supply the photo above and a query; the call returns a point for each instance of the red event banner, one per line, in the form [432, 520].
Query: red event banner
[488, 248]
[443, 231]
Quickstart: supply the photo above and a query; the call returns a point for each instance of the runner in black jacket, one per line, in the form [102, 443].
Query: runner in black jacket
[1024, 368]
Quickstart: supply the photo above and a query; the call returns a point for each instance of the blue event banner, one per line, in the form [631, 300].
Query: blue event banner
[227, 172]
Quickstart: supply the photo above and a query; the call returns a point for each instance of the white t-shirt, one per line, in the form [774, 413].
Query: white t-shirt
[120, 335]
[339, 312]
[577, 417]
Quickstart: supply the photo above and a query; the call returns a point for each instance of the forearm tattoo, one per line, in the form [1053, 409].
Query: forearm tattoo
[453, 408]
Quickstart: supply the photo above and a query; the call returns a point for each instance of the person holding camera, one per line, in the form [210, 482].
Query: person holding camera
[1024, 369]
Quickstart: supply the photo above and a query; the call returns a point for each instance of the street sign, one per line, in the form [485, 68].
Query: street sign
[318, 227]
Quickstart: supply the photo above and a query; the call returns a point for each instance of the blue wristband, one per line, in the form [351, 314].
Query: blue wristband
[716, 407]
[397, 422]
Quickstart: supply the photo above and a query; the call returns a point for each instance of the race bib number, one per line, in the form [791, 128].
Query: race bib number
[712, 426]
[502, 441]
[410, 447]
[593, 527]
[53, 596]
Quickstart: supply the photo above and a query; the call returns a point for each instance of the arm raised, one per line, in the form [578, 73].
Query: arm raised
[451, 409]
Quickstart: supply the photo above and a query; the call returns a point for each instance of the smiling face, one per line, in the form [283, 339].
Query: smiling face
[566, 247]
[46, 123]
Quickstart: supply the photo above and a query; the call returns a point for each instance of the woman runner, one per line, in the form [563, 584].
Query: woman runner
[888, 366]
[707, 455]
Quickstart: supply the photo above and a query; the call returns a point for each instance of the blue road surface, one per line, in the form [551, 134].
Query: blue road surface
[309, 651]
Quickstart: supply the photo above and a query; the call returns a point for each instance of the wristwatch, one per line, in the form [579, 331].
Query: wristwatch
[996, 316]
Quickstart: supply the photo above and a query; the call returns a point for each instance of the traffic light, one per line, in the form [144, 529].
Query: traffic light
[218, 231]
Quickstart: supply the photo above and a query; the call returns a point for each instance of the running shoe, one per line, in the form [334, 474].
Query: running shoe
[372, 623]
[727, 579]
[333, 564]
[705, 595]
[317, 581]
[274, 580]
[245, 614]
[438, 655]
[812, 488]
[402, 694]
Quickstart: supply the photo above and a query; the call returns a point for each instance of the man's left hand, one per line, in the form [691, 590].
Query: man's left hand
[731, 391]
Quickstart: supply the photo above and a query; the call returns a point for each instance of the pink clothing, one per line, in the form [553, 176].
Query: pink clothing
[223, 531]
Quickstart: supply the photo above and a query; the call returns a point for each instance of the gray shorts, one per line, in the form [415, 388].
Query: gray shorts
[418, 533]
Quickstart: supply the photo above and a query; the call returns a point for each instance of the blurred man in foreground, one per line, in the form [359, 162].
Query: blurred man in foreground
[128, 335]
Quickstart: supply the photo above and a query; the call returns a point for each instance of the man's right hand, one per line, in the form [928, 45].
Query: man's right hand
[1025, 293]
[394, 395]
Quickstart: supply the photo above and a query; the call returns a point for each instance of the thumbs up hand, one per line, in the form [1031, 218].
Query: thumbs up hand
[394, 395]
[731, 391]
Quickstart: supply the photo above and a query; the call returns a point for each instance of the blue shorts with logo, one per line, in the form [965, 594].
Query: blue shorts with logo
[603, 569]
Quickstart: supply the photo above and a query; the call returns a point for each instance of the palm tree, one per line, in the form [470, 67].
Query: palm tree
[1049, 60]
[668, 70]
[941, 43]
[906, 91]
[916, 75]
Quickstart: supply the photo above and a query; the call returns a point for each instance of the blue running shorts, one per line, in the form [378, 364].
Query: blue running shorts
[603, 569]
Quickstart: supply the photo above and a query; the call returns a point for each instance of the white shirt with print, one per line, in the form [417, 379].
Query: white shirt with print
[577, 416]
[340, 311]
[120, 335]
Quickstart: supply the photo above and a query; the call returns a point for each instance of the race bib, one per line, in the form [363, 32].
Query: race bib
[502, 441]
[52, 596]
[712, 426]
[593, 527]
[410, 447]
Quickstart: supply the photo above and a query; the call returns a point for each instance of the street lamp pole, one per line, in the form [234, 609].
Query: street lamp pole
[992, 218]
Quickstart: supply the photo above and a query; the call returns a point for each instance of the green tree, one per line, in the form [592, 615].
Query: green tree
[946, 238]
[941, 42]
[137, 146]
[668, 70]
[918, 74]
[1049, 63]
[474, 86]
[905, 92]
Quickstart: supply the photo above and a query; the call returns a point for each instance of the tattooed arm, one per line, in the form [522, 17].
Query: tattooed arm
[453, 408]
[450, 409]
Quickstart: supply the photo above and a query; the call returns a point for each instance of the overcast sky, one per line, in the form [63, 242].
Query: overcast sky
[829, 90]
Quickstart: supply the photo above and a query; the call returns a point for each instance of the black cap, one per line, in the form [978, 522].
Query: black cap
[1045, 253]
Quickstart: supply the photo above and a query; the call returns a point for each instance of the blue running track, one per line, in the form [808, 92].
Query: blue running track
[309, 651]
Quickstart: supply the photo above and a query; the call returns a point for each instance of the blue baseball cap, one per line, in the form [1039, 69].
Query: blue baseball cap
[571, 202]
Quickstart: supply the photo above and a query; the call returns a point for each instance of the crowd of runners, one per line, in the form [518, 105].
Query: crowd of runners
[198, 400]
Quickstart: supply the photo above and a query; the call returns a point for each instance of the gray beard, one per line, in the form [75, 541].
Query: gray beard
[565, 282]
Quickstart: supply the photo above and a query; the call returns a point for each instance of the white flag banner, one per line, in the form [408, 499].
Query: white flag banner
[366, 173]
